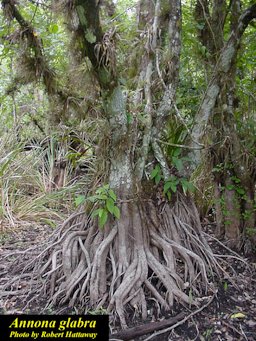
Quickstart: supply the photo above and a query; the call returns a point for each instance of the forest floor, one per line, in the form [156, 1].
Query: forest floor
[231, 316]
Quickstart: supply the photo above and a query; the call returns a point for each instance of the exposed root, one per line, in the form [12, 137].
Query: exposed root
[144, 257]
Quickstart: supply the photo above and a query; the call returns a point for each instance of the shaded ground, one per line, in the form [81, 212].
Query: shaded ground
[230, 316]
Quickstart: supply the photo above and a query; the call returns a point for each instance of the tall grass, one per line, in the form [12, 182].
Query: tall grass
[26, 178]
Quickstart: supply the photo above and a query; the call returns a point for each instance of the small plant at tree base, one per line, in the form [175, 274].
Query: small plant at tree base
[208, 333]
[250, 232]
[177, 160]
[79, 200]
[241, 196]
[156, 174]
[100, 311]
[225, 286]
[170, 186]
[105, 198]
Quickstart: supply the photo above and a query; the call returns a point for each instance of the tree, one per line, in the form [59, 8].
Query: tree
[138, 234]
[233, 172]
[122, 260]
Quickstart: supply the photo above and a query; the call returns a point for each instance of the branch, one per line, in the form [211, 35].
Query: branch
[222, 69]
[179, 145]
[42, 69]
[38, 3]
[248, 15]
[147, 328]
[172, 66]
[123, 12]
[219, 12]
[146, 74]
[204, 31]
[97, 47]
[89, 22]
[160, 157]
[156, 118]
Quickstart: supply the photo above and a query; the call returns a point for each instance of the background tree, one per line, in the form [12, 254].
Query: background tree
[232, 162]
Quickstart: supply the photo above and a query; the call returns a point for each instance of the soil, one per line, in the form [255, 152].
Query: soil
[231, 316]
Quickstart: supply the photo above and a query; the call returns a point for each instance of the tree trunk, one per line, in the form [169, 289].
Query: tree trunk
[217, 113]
[231, 212]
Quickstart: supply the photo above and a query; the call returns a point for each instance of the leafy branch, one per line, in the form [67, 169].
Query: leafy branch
[105, 199]
[172, 183]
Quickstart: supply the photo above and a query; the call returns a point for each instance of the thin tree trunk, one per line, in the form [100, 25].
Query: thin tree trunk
[217, 111]
[227, 59]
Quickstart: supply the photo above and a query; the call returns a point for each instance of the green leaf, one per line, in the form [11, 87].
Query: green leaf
[216, 170]
[187, 185]
[170, 185]
[101, 197]
[167, 186]
[110, 205]
[155, 172]
[49, 222]
[235, 179]
[177, 163]
[184, 184]
[100, 212]
[92, 198]
[80, 200]
[5, 50]
[100, 190]
[112, 194]
[129, 118]
[240, 190]
[158, 178]
[200, 26]
[174, 188]
[90, 37]
[238, 315]
[95, 213]
[53, 28]
[173, 179]
[116, 212]
[177, 152]
[191, 187]
[4, 162]
[103, 218]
